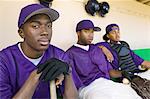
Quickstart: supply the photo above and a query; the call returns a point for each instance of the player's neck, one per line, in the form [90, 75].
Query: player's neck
[30, 53]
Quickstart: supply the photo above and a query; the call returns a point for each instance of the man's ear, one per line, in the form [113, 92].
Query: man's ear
[20, 31]
[78, 33]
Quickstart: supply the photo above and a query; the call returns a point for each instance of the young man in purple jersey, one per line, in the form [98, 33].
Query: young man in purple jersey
[124, 59]
[27, 67]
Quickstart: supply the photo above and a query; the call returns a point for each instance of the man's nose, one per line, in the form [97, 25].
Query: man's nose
[44, 33]
[44, 30]
[117, 33]
[91, 35]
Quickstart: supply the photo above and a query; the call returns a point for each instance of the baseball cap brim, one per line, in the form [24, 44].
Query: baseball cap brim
[53, 14]
[94, 28]
[97, 29]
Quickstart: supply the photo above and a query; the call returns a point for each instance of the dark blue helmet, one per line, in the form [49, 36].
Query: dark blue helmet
[92, 7]
[104, 8]
[45, 2]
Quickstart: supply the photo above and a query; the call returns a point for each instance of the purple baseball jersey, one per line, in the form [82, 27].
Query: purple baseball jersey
[87, 65]
[15, 70]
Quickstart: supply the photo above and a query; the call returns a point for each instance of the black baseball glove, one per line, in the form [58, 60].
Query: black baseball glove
[52, 68]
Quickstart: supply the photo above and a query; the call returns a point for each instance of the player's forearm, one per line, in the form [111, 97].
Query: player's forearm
[107, 53]
[27, 90]
[115, 73]
[70, 89]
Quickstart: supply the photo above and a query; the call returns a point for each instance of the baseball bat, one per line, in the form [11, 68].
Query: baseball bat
[53, 90]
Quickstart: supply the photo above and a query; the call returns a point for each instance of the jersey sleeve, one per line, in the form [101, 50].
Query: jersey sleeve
[99, 59]
[5, 86]
[137, 59]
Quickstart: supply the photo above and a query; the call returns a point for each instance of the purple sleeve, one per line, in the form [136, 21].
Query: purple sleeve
[99, 58]
[5, 86]
[138, 60]
[68, 58]
[103, 44]
[115, 63]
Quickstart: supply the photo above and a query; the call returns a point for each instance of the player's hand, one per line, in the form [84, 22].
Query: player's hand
[107, 53]
[52, 68]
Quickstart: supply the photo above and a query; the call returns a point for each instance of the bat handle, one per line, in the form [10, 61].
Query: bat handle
[53, 90]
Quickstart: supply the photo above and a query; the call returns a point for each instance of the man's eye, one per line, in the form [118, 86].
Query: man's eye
[49, 25]
[113, 32]
[86, 31]
[35, 26]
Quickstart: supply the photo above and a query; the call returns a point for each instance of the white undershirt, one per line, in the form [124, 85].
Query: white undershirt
[82, 46]
[34, 61]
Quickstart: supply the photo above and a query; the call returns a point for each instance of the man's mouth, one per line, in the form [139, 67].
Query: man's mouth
[90, 40]
[44, 42]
